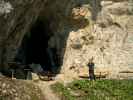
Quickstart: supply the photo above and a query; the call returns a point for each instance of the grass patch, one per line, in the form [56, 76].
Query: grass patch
[95, 90]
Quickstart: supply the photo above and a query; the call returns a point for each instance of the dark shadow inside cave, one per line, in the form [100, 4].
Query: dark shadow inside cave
[34, 48]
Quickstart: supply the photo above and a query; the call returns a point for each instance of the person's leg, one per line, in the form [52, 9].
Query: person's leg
[90, 76]
[93, 75]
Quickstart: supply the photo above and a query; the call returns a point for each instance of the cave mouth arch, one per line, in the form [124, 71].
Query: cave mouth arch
[34, 48]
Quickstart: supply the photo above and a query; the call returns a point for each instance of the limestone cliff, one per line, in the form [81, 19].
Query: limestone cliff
[81, 29]
[93, 28]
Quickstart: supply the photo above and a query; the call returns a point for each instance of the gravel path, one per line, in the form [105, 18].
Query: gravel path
[46, 90]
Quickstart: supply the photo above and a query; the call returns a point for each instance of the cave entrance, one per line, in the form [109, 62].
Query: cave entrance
[34, 48]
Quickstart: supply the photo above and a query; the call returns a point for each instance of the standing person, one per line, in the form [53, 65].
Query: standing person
[91, 69]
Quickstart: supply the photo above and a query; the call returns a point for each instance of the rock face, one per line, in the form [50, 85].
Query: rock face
[95, 28]
[15, 19]
[82, 29]
[107, 38]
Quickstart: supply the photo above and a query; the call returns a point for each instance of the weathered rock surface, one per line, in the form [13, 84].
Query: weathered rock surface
[15, 19]
[19, 90]
[97, 28]
[81, 29]
[108, 39]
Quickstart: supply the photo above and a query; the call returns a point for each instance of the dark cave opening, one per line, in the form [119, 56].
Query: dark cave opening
[34, 48]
